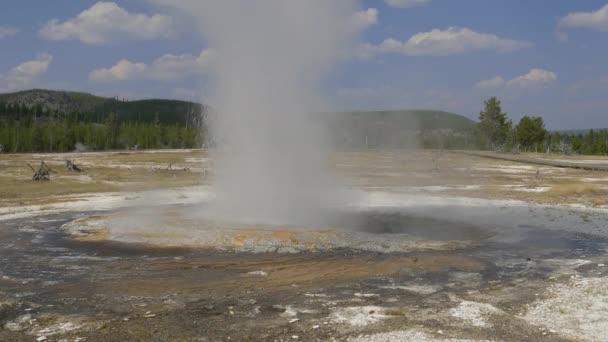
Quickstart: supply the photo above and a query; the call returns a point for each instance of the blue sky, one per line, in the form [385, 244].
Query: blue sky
[540, 57]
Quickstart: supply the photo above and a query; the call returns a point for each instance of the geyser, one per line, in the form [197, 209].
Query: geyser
[271, 153]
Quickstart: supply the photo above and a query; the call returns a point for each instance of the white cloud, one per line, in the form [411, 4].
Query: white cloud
[407, 3]
[123, 70]
[105, 22]
[6, 31]
[25, 73]
[595, 20]
[165, 68]
[364, 19]
[534, 77]
[454, 40]
[492, 83]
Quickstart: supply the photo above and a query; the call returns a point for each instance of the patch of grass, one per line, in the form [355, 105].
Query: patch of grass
[573, 189]
[102, 174]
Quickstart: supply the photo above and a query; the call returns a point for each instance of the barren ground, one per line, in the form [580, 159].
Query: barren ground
[443, 247]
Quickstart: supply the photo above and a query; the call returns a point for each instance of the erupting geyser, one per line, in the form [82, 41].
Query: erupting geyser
[271, 152]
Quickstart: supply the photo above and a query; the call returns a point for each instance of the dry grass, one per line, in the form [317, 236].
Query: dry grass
[576, 189]
[104, 172]
[451, 173]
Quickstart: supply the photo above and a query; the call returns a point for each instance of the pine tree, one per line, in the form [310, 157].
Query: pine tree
[531, 132]
[494, 125]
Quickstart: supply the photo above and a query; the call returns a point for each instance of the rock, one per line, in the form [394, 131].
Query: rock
[149, 314]
[258, 273]
[24, 319]
[15, 327]
[41, 338]
[19, 324]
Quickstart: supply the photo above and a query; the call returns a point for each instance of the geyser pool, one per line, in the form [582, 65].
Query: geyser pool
[271, 156]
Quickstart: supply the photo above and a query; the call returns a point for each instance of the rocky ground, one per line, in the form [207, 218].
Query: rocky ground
[424, 256]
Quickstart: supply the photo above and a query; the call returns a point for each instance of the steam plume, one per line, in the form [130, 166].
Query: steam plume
[272, 154]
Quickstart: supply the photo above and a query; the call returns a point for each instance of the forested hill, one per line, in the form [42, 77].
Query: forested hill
[56, 121]
[418, 120]
[404, 128]
[90, 108]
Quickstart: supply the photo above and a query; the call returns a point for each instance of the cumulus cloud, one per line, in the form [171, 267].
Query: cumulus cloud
[364, 19]
[165, 68]
[6, 32]
[492, 83]
[594, 20]
[25, 73]
[406, 3]
[454, 40]
[534, 77]
[105, 22]
[123, 70]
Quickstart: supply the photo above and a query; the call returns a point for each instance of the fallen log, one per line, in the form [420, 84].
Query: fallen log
[169, 168]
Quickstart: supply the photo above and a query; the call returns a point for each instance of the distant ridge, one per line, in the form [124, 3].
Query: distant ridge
[579, 131]
[416, 119]
[68, 102]
[394, 128]
[401, 128]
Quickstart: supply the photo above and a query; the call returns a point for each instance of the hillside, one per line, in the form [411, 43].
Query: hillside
[401, 128]
[417, 120]
[60, 101]
[94, 108]
[580, 131]
[48, 120]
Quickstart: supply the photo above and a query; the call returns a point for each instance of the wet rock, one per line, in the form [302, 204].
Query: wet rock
[359, 316]
[149, 314]
[475, 314]
[578, 308]
[272, 309]
[15, 327]
[466, 278]
[19, 324]
[405, 335]
[61, 325]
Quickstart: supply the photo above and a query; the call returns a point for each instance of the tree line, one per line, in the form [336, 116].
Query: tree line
[495, 131]
[154, 124]
[37, 129]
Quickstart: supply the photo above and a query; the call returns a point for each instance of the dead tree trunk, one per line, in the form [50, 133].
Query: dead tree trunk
[72, 167]
[43, 173]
